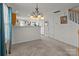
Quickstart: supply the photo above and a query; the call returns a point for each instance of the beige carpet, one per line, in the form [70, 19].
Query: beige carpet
[44, 47]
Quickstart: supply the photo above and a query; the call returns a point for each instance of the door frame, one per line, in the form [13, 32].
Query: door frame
[78, 43]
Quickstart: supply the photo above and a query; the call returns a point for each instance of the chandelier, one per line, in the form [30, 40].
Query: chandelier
[36, 14]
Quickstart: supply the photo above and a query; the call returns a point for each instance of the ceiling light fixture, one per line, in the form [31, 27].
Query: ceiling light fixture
[36, 14]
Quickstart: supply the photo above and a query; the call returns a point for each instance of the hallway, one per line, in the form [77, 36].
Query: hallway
[43, 47]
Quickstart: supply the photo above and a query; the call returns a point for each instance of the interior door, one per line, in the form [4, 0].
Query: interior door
[8, 27]
[5, 28]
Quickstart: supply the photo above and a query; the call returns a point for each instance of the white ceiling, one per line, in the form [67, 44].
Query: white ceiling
[25, 9]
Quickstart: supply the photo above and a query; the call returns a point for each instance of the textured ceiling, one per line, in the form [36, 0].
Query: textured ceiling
[25, 9]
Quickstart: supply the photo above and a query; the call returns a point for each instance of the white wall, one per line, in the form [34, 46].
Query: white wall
[24, 34]
[63, 32]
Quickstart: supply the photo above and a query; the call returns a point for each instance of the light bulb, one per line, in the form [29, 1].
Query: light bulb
[42, 17]
[39, 16]
[31, 17]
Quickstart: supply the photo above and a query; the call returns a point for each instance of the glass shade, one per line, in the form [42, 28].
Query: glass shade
[42, 17]
[37, 17]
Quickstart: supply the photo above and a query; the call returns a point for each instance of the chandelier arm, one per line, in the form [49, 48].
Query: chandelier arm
[37, 14]
[37, 9]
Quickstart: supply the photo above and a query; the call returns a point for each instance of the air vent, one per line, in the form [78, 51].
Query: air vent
[57, 11]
